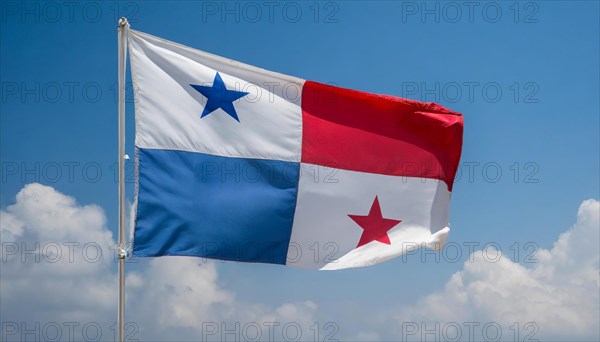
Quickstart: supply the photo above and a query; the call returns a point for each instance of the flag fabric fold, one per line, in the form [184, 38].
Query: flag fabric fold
[239, 163]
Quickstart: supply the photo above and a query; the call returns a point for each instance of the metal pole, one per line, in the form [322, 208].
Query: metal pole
[123, 26]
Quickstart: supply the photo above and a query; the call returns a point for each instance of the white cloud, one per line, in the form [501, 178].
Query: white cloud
[559, 294]
[178, 298]
[367, 336]
[175, 292]
[53, 248]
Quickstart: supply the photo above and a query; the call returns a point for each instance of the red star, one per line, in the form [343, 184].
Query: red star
[374, 226]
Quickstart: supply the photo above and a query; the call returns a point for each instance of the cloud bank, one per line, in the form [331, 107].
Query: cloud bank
[58, 282]
[556, 299]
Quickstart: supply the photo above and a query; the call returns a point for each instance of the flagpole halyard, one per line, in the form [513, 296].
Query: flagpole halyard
[122, 41]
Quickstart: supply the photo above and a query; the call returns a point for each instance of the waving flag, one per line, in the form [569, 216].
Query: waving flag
[239, 163]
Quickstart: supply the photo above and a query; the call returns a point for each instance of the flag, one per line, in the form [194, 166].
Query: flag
[239, 163]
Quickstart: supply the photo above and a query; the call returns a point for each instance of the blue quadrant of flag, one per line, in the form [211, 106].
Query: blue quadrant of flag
[218, 207]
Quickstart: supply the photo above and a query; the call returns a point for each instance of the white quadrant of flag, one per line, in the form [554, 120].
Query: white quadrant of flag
[325, 236]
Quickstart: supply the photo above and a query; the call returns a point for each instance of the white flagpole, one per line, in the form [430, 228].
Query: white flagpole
[123, 26]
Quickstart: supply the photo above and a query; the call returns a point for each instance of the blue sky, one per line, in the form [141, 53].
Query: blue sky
[526, 80]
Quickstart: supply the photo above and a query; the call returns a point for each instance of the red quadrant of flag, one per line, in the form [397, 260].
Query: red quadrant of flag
[358, 131]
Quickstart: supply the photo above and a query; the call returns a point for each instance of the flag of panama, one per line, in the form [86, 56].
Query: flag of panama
[239, 163]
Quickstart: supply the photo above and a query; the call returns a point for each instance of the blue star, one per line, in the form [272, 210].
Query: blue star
[218, 96]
